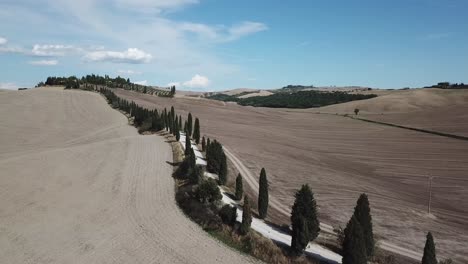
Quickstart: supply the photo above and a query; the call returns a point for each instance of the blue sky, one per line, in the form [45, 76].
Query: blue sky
[215, 45]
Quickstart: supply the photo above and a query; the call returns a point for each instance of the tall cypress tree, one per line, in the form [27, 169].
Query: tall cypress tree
[189, 124]
[203, 144]
[180, 122]
[177, 132]
[246, 217]
[304, 221]
[363, 215]
[239, 187]
[208, 142]
[172, 113]
[354, 246]
[222, 169]
[429, 256]
[188, 145]
[196, 131]
[263, 195]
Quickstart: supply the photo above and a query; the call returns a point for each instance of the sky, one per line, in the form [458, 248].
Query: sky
[208, 45]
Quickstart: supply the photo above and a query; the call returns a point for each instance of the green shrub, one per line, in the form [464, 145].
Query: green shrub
[208, 191]
[228, 214]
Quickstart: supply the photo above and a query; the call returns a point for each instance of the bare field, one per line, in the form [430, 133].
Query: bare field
[433, 109]
[341, 158]
[79, 185]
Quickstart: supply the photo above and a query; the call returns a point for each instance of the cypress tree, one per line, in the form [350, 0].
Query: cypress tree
[172, 112]
[354, 246]
[222, 169]
[188, 145]
[177, 133]
[239, 187]
[196, 131]
[429, 256]
[163, 120]
[246, 217]
[304, 221]
[363, 215]
[180, 121]
[203, 144]
[208, 142]
[189, 124]
[263, 195]
[185, 127]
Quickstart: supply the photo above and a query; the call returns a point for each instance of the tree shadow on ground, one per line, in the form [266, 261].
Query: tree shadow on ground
[173, 163]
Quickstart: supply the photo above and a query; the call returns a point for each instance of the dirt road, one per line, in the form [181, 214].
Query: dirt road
[78, 185]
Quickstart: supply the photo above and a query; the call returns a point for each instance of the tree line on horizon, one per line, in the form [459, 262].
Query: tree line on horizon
[448, 85]
[297, 99]
[94, 82]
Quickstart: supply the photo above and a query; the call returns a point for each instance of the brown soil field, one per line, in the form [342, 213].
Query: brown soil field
[79, 185]
[432, 109]
[340, 158]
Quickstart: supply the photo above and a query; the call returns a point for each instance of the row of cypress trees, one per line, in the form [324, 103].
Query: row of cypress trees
[358, 244]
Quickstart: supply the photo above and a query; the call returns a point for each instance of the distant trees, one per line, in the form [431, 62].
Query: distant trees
[304, 220]
[356, 111]
[143, 119]
[448, 85]
[216, 161]
[196, 131]
[95, 82]
[239, 187]
[292, 98]
[354, 248]
[363, 216]
[429, 256]
[173, 91]
[263, 195]
[246, 217]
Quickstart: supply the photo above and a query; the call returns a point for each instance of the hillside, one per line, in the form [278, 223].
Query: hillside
[79, 185]
[433, 109]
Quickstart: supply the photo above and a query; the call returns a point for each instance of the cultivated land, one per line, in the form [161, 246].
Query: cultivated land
[341, 158]
[432, 109]
[79, 185]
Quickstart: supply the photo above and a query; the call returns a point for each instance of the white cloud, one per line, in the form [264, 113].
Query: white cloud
[132, 55]
[53, 50]
[154, 6]
[3, 41]
[44, 62]
[7, 49]
[176, 84]
[244, 29]
[221, 33]
[197, 81]
[145, 82]
[9, 86]
[128, 72]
